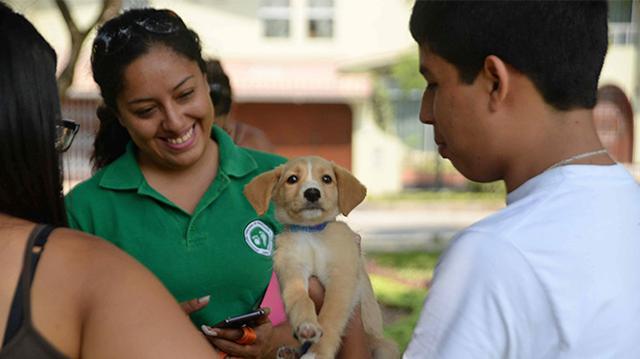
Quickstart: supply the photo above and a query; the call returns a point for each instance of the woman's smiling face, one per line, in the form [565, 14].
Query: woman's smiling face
[165, 106]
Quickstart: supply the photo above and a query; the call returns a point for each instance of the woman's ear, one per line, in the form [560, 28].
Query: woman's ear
[497, 78]
[350, 191]
[260, 190]
[116, 114]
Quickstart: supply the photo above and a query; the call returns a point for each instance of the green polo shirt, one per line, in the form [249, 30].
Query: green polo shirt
[223, 249]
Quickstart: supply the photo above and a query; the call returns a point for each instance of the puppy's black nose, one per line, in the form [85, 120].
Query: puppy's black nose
[312, 194]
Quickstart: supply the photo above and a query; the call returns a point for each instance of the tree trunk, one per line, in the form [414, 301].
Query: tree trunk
[109, 9]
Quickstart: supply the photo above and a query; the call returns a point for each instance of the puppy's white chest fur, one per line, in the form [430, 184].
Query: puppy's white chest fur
[312, 253]
[332, 251]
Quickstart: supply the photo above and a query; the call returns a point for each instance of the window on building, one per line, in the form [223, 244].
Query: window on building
[621, 28]
[320, 15]
[134, 4]
[275, 16]
[620, 10]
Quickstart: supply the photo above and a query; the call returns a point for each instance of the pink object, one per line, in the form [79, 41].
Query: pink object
[273, 300]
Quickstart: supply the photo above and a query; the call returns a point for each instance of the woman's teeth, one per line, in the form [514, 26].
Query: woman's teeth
[184, 138]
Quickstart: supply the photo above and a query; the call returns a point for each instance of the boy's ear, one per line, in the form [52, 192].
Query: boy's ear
[260, 190]
[496, 75]
[350, 191]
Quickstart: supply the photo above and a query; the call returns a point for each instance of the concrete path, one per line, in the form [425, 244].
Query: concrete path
[414, 226]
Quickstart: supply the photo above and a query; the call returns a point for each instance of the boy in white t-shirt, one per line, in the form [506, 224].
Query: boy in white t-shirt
[556, 274]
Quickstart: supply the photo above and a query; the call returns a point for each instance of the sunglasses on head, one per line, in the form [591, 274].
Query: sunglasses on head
[65, 133]
[160, 22]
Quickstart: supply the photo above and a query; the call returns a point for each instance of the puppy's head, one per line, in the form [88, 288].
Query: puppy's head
[306, 191]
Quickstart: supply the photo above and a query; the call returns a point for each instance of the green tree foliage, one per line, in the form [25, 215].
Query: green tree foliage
[405, 72]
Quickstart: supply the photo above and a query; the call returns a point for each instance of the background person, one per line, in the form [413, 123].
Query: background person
[168, 189]
[222, 96]
[63, 293]
[511, 87]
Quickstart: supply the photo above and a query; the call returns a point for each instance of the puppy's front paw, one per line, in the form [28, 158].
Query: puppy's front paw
[308, 332]
[309, 356]
[287, 353]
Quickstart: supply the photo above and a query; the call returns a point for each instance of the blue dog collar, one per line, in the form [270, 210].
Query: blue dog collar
[316, 228]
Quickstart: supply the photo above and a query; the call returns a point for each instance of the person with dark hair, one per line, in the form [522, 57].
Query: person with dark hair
[64, 293]
[169, 184]
[243, 134]
[511, 88]
[168, 189]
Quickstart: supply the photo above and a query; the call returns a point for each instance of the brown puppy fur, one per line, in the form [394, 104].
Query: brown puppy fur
[308, 191]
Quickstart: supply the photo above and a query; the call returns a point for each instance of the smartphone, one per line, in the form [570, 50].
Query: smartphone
[240, 321]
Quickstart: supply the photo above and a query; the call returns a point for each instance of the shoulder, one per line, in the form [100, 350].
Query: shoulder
[116, 296]
[87, 250]
[86, 189]
[484, 296]
[81, 201]
[484, 259]
[89, 260]
[253, 137]
[264, 160]
[97, 263]
[482, 265]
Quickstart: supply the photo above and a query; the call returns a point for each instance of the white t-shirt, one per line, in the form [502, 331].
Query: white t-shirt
[555, 274]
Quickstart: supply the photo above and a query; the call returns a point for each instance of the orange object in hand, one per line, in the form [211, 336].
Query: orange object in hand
[248, 336]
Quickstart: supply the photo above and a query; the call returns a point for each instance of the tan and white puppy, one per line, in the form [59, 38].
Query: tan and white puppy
[308, 193]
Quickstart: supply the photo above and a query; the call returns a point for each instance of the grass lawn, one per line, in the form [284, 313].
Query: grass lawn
[399, 281]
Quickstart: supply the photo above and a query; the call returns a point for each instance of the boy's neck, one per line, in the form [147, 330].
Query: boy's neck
[555, 137]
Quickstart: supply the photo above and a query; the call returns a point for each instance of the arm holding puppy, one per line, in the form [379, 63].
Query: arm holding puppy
[354, 342]
[308, 194]
[253, 342]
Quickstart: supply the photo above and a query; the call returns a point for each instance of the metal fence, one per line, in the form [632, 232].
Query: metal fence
[77, 166]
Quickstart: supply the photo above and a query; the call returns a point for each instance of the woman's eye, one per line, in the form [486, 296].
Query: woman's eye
[327, 179]
[432, 87]
[292, 179]
[185, 94]
[144, 112]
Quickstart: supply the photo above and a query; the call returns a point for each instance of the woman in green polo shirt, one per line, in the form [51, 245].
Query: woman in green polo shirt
[168, 186]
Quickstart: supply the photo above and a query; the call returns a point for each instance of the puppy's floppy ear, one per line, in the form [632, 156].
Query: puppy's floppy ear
[350, 191]
[260, 189]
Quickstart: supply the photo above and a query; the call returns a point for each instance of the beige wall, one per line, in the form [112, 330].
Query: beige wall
[362, 28]
[376, 156]
[619, 68]
[232, 29]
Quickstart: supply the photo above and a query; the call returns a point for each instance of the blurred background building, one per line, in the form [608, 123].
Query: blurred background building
[335, 78]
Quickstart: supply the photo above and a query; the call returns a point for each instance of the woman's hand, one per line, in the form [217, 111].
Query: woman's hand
[194, 305]
[225, 340]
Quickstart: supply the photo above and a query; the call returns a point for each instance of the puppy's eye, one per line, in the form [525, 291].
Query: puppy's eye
[327, 179]
[292, 179]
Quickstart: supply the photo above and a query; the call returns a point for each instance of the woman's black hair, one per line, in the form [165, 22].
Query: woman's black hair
[119, 42]
[30, 178]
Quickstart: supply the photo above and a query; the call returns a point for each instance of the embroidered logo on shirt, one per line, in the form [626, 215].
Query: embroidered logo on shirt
[259, 237]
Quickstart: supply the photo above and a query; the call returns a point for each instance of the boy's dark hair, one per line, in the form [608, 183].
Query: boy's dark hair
[118, 43]
[559, 45]
[30, 179]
